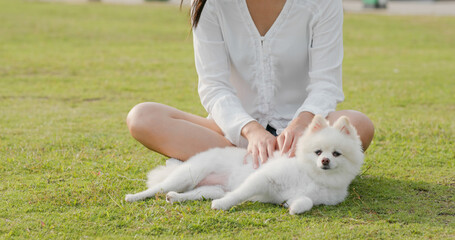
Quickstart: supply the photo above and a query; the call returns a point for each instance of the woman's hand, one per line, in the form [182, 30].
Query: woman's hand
[287, 140]
[261, 143]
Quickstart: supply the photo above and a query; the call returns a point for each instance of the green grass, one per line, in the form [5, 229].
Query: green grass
[70, 73]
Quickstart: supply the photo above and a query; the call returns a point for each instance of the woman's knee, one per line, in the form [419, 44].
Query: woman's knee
[143, 117]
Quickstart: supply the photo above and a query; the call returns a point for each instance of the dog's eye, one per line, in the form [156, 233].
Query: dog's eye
[336, 154]
[318, 152]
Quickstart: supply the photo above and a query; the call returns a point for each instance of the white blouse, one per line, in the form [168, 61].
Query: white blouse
[246, 77]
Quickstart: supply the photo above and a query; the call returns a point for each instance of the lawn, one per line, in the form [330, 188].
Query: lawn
[69, 73]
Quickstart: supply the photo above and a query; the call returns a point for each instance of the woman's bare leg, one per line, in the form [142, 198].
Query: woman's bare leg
[172, 132]
[362, 123]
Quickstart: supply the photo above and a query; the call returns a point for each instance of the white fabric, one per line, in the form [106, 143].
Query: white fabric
[245, 77]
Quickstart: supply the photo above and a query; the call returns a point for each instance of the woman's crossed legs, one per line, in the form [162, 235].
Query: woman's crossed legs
[180, 135]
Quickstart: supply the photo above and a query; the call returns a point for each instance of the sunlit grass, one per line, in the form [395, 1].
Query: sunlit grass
[70, 73]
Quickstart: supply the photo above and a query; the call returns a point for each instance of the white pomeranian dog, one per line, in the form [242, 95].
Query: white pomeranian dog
[327, 159]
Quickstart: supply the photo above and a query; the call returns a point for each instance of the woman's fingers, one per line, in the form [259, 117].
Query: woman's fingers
[245, 158]
[255, 158]
[280, 141]
[293, 147]
[270, 149]
[263, 153]
[287, 143]
[261, 143]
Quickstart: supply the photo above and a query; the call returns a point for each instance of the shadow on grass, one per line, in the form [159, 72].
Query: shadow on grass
[375, 198]
[400, 206]
[392, 201]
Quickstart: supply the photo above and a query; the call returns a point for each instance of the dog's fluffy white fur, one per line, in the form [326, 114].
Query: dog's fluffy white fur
[327, 160]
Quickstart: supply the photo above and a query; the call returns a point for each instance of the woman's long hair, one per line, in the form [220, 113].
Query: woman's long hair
[196, 10]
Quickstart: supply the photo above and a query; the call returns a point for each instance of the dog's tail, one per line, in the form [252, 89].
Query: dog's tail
[159, 173]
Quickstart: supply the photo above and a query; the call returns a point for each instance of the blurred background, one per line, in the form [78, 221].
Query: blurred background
[436, 7]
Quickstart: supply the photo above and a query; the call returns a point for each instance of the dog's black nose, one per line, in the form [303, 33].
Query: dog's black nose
[325, 161]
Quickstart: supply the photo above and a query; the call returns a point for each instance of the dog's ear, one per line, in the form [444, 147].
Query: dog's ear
[317, 124]
[344, 126]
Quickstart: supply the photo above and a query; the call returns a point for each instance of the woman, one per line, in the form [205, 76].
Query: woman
[265, 67]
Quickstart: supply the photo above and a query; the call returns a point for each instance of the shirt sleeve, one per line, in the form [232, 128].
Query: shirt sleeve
[213, 67]
[326, 57]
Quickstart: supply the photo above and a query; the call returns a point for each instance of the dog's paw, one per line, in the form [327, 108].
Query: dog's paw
[221, 204]
[293, 211]
[300, 206]
[172, 197]
[130, 198]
